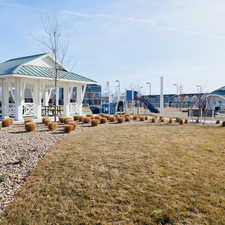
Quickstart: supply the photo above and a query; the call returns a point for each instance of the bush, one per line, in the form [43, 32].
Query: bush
[197, 121]
[223, 124]
[127, 118]
[153, 120]
[186, 121]
[73, 124]
[29, 127]
[61, 119]
[120, 119]
[103, 120]
[81, 118]
[68, 128]
[94, 122]
[77, 117]
[28, 120]
[86, 120]
[112, 119]
[135, 117]
[161, 119]
[67, 120]
[142, 118]
[146, 117]
[52, 126]
[10, 121]
[97, 117]
[6, 122]
[178, 119]
[170, 121]
[181, 122]
[46, 120]
[218, 122]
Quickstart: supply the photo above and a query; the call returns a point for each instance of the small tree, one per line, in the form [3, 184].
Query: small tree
[53, 41]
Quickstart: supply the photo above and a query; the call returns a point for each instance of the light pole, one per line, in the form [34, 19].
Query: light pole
[150, 87]
[177, 91]
[118, 89]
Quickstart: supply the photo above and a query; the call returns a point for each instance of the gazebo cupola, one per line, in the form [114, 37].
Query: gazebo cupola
[35, 76]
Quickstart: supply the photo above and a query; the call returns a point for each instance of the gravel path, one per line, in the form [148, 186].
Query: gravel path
[19, 154]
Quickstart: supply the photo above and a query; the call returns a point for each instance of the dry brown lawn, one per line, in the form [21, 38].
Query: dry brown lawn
[140, 173]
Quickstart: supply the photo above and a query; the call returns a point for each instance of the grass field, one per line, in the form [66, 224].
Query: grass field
[140, 173]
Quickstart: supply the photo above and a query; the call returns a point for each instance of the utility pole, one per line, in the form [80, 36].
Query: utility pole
[150, 87]
[161, 96]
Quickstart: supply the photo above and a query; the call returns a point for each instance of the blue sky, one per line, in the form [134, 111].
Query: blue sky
[134, 41]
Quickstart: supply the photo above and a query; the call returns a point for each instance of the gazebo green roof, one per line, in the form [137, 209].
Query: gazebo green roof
[19, 67]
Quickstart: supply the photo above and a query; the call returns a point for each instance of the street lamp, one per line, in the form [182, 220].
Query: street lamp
[118, 90]
[150, 87]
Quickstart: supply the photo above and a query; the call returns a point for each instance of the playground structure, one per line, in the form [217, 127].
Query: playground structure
[131, 103]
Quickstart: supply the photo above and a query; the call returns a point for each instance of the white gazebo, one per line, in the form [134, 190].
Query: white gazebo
[35, 76]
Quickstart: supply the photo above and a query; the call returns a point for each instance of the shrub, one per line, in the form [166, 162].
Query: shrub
[161, 119]
[146, 117]
[73, 124]
[142, 118]
[97, 117]
[6, 122]
[86, 120]
[135, 117]
[103, 120]
[223, 124]
[94, 122]
[197, 121]
[120, 119]
[112, 119]
[29, 127]
[68, 128]
[28, 120]
[170, 120]
[153, 120]
[52, 126]
[218, 122]
[46, 120]
[77, 117]
[186, 121]
[67, 120]
[81, 118]
[61, 119]
[10, 121]
[181, 122]
[178, 119]
[127, 118]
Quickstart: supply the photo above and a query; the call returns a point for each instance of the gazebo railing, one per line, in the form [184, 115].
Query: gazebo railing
[28, 109]
[73, 108]
[12, 110]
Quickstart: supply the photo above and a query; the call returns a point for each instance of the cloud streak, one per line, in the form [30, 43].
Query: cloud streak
[151, 22]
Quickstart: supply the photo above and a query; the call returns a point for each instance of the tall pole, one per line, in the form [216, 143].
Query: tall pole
[161, 96]
[150, 88]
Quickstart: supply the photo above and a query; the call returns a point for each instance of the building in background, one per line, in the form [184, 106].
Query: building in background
[93, 95]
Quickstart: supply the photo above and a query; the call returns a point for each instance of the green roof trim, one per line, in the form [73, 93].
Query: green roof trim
[45, 72]
[17, 66]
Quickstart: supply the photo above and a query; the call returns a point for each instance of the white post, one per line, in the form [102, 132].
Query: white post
[5, 99]
[79, 99]
[38, 91]
[19, 99]
[161, 96]
[66, 101]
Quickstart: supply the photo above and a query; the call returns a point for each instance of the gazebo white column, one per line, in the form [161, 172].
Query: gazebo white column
[66, 101]
[79, 99]
[5, 99]
[20, 85]
[38, 91]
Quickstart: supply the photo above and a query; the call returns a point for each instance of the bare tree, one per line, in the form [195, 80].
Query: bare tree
[54, 43]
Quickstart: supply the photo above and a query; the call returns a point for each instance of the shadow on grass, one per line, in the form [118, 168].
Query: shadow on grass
[18, 132]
